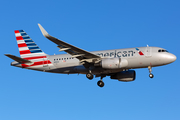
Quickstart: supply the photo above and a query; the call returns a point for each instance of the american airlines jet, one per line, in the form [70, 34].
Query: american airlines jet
[117, 63]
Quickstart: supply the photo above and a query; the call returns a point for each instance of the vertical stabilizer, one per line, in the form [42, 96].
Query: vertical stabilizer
[29, 50]
[27, 47]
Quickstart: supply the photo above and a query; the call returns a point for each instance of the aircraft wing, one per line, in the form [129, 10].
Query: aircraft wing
[70, 49]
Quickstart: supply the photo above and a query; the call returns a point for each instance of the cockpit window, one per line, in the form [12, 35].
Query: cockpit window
[162, 50]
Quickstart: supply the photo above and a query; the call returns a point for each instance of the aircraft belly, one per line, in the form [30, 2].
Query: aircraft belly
[65, 67]
[66, 70]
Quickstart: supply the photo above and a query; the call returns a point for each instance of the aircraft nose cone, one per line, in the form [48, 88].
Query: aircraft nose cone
[172, 58]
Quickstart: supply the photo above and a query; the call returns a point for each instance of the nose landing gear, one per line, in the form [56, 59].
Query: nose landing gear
[151, 75]
[150, 70]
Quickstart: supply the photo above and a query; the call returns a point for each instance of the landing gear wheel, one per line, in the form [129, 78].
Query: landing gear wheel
[150, 70]
[151, 75]
[100, 83]
[89, 76]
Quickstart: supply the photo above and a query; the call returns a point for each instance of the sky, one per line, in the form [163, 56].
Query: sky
[91, 25]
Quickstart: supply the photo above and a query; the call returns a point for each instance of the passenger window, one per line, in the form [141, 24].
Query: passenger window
[62, 58]
[159, 50]
[59, 58]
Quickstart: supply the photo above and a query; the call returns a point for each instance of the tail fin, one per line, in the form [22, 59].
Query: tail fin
[27, 47]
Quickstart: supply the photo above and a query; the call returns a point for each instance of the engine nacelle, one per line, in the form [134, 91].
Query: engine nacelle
[113, 63]
[125, 76]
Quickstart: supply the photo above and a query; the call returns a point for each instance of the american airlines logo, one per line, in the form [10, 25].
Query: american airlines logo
[115, 54]
[140, 53]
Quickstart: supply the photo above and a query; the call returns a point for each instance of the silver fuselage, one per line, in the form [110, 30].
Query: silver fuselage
[64, 63]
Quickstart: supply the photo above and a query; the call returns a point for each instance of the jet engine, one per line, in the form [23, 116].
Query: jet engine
[125, 76]
[112, 63]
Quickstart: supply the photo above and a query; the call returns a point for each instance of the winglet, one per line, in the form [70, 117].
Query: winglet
[44, 32]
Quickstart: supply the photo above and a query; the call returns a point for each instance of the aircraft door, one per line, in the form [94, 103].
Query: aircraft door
[148, 51]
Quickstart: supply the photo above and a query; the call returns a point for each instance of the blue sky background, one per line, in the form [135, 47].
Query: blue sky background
[91, 25]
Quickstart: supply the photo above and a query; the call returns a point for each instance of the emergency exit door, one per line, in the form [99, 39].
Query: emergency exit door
[148, 51]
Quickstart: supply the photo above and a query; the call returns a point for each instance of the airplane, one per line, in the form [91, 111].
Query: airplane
[116, 63]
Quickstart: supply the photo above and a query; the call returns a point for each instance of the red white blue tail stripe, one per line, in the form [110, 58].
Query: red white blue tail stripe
[25, 44]
[29, 50]
[140, 53]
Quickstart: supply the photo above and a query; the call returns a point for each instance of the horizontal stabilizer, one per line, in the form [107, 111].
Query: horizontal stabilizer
[18, 59]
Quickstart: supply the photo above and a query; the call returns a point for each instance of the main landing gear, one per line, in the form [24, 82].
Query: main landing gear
[90, 76]
[100, 83]
[150, 70]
